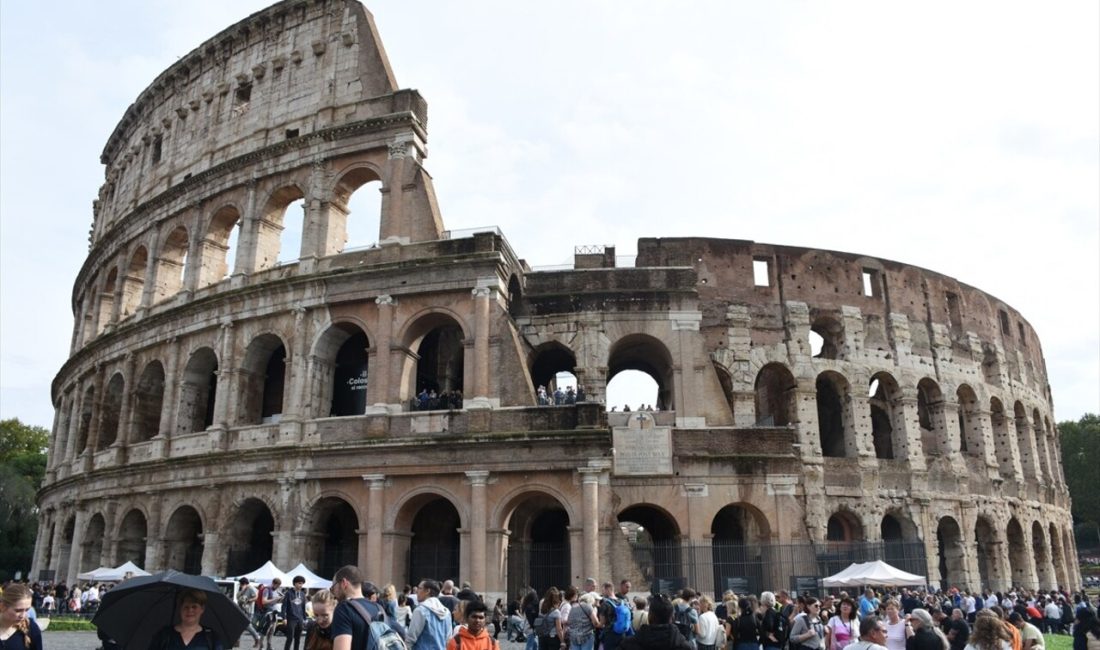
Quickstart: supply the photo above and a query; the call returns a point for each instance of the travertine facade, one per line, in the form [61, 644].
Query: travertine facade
[212, 416]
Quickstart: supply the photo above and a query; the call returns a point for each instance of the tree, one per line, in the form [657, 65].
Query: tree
[22, 467]
[1080, 458]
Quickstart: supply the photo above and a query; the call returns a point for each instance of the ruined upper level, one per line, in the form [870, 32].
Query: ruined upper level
[294, 69]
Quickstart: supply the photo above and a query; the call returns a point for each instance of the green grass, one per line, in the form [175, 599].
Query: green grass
[67, 624]
[1058, 641]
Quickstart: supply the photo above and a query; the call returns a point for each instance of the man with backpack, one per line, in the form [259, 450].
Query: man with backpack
[357, 622]
[685, 616]
[616, 619]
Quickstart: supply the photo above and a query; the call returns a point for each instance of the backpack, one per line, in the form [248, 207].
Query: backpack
[623, 619]
[260, 597]
[682, 618]
[382, 636]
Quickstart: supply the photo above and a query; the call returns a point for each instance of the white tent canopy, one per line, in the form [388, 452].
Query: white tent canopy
[109, 574]
[876, 573]
[313, 581]
[266, 573]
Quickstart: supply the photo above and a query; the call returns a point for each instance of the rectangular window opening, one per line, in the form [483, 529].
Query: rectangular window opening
[870, 283]
[1006, 329]
[954, 314]
[761, 275]
[158, 148]
[1023, 334]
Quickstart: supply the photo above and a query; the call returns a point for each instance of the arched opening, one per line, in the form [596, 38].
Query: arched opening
[1043, 566]
[438, 381]
[435, 544]
[183, 541]
[885, 403]
[112, 411]
[107, 301]
[952, 565]
[148, 401]
[197, 392]
[1001, 440]
[65, 553]
[986, 543]
[337, 525]
[644, 353]
[342, 357]
[263, 379]
[131, 539]
[654, 538]
[930, 415]
[357, 210]
[845, 527]
[1059, 558]
[826, 337]
[739, 534]
[279, 232]
[133, 283]
[970, 425]
[538, 544]
[834, 416]
[219, 246]
[1023, 440]
[632, 390]
[774, 396]
[172, 264]
[548, 362]
[843, 534]
[517, 308]
[92, 553]
[250, 537]
[1017, 554]
[87, 406]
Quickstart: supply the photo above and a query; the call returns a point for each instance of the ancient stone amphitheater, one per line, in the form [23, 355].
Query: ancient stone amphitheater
[221, 408]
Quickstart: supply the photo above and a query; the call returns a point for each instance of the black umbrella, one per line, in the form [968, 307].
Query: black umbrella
[135, 610]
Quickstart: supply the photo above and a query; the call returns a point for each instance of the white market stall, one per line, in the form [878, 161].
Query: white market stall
[877, 573]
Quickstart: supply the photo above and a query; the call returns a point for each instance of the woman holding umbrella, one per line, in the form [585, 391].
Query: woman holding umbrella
[188, 634]
[17, 632]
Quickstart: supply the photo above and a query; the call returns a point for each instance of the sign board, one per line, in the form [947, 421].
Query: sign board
[805, 585]
[642, 449]
[737, 585]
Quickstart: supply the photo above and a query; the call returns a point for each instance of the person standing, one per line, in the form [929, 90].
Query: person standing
[319, 630]
[431, 620]
[350, 631]
[926, 636]
[843, 628]
[807, 630]
[659, 633]
[872, 634]
[188, 634]
[294, 612]
[246, 600]
[17, 632]
[898, 629]
[473, 635]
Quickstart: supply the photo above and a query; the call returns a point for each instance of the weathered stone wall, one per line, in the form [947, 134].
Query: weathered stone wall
[212, 414]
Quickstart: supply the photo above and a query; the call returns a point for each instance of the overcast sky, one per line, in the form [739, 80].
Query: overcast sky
[963, 137]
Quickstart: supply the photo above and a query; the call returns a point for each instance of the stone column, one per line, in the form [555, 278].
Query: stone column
[379, 376]
[125, 412]
[149, 287]
[42, 541]
[214, 557]
[225, 400]
[478, 480]
[78, 541]
[590, 515]
[97, 417]
[482, 298]
[192, 272]
[154, 543]
[910, 435]
[290, 425]
[169, 408]
[55, 544]
[377, 485]
[249, 236]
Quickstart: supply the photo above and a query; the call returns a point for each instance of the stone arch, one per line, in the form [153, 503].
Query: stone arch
[1017, 553]
[774, 396]
[111, 415]
[829, 332]
[183, 540]
[263, 380]
[107, 300]
[148, 402]
[133, 283]
[887, 427]
[271, 227]
[970, 423]
[1001, 439]
[547, 360]
[1028, 462]
[844, 526]
[132, 536]
[1043, 565]
[249, 536]
[198, 389]
[91, 556]
[834, 416]
[1058, 556]
[952, 555]
[341, 356]
[335, 523]
[931, 417]
[649, 355]
[431, 520]
[537, 519]
[218, 245]
[349, 227]
[740, 533]
[896, 526]
[172, 263]
[653, 536]
[438, 339]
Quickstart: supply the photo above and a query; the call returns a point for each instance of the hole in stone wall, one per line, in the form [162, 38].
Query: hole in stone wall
[291, 133]
[870, 282]
[290, 240]
[761, 273]
[1006, 329]
[632, 388]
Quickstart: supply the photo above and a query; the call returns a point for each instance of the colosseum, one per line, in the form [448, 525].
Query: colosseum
[225, 403]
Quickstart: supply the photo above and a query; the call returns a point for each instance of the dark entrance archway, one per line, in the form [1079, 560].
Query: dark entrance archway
[655, 540]
[250, 537]
[183, 541]
[739, 533]
[335, 521]
[435, 544]
[538, 544]
[131, 539]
